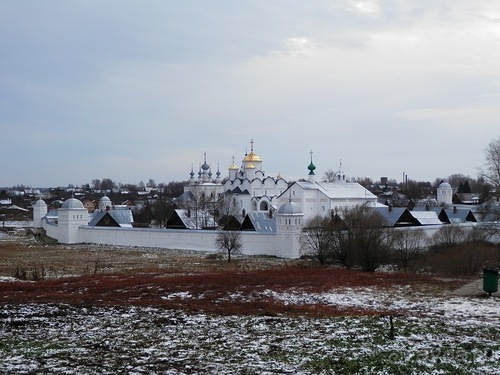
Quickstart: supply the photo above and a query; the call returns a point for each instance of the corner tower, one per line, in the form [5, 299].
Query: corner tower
[289, 222]
[39, 212]
[71, 215]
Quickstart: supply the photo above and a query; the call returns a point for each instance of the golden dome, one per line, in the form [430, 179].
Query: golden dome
[233, 166]
[251, 157]
[250, 166]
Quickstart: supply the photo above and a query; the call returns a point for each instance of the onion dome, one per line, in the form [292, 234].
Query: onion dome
[311, 166]
[205, 166]
[233, 166]
[251, 157]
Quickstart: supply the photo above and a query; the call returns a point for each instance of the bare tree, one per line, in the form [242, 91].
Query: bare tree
[329, 176]
[491, 173]
[407, 245]
[448, 236]
[96, 184]
[161, 210]
[225, 208]
[175, 188]
[365, 241]
[107, 184]
[316, 239]
[229, 241]
[364, 181]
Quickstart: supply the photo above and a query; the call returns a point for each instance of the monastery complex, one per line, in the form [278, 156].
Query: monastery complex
[271, 211]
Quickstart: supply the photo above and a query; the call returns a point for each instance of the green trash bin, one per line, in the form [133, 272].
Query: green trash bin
[490, 280]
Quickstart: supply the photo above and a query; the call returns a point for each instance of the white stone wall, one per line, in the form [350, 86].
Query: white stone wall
[52, 230]
[254, 243]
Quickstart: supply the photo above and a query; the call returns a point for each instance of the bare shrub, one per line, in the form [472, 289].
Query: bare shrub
[35, 273]
[466, 259]
[408, 246]
[316, 239]
[448, 236]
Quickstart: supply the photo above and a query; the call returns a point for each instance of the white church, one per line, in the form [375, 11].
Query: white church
[248, 185]
[275, 210]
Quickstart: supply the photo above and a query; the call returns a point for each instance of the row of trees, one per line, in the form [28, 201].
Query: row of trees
[357, 237]
[353, 236]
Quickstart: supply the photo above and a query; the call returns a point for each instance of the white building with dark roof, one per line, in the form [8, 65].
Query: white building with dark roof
[324, 198]
[65, 223]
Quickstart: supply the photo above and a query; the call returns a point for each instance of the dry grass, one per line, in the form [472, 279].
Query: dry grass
[82, 275]
[62, 260]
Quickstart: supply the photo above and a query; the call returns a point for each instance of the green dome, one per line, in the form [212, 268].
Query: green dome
[311, 168]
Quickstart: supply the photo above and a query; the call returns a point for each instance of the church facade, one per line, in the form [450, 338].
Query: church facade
[252, 190]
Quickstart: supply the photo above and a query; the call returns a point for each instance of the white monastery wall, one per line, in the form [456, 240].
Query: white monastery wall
[431, 230]
[52, 230]
[197, 240]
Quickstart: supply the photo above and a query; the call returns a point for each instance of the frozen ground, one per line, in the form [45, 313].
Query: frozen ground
[442, 335]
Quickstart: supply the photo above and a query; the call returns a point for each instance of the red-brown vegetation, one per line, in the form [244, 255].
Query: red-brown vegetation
[89, 276]
[210, 293]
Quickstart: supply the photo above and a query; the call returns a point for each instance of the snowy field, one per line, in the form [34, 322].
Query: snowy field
[441, 335]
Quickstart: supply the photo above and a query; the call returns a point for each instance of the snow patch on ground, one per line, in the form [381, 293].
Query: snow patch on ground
[432, 335]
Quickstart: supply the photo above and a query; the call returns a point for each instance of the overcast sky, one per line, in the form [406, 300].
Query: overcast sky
[133, 90]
